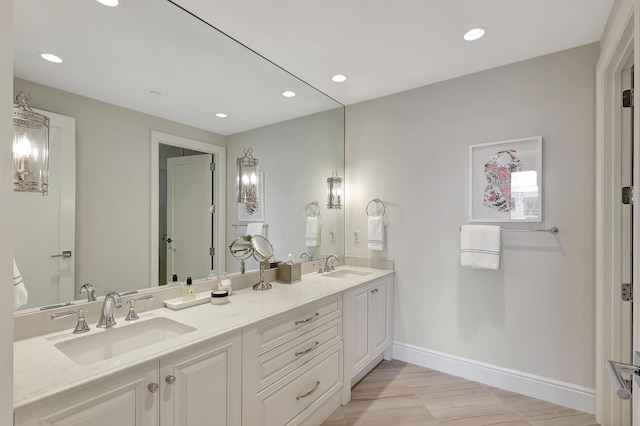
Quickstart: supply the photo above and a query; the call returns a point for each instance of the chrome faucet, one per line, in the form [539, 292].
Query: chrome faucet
[309, 256]
[328, 263]
[90, 291]
[111, 299]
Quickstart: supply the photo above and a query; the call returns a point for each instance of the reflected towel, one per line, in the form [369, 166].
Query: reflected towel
[375, 228]
[480, 246]
[255, 228]
[20, 295]
[311, 232]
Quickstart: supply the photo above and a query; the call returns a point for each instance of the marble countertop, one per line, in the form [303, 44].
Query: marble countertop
[41, 370]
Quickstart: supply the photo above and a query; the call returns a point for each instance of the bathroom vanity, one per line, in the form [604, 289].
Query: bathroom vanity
[284, 356]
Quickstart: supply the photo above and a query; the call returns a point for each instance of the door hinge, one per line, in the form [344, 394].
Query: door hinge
[212, 167]
[627, 98]
[212, 208]
[627, 292]
[212, 251]
[627, 195]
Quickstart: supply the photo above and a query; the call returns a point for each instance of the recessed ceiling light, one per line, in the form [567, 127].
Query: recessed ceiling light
[221, 115]
[110, 3]
[339, 78]
[474, 33]
[288, 94]
[50, 57]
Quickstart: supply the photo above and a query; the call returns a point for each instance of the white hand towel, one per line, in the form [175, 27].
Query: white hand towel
[480, 246]
[375, 228]
[255, 228]
[311, 232]
[20, 295]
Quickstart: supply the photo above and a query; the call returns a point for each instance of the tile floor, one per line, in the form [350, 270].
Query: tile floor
[397, 393]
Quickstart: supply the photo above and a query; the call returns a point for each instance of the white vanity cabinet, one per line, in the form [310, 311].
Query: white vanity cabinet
[196, 386]
[293, 366]
[123, 400]
[368, 328]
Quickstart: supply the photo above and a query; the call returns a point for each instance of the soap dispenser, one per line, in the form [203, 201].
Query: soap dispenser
[174, 280]
[188, 291]
[225, 284]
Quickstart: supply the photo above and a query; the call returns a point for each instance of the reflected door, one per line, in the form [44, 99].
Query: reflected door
[189, 216]
[44, 226]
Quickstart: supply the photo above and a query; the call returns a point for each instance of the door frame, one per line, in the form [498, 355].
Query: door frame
[220, 184]
[616, 48]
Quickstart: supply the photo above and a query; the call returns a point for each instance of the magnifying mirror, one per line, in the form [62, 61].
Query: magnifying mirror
[241, 249]
[262, 251]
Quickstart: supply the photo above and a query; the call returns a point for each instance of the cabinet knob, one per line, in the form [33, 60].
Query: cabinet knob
[171, 379]
[153, 387]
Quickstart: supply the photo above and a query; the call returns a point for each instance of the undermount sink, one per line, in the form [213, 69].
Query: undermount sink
[113, 342]
[346, 273]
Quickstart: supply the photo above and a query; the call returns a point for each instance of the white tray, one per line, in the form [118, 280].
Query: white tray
[177, 303]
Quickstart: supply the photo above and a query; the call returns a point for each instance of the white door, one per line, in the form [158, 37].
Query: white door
[45, 225]
[189, 216]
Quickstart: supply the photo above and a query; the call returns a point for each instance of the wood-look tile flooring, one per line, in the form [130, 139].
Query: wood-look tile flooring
[396, 393]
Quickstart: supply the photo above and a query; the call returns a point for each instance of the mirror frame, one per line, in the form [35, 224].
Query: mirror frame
[220, 192]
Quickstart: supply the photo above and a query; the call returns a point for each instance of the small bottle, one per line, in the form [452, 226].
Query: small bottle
[188, 291]
[173, 280]
[225, 284]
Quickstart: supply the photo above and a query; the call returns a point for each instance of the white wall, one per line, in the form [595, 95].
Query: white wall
[536, 314]
[113, 155]
[296, 157]
[6, 213]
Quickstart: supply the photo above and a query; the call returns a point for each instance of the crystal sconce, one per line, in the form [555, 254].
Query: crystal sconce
[30, 148]
[247, 179]
[334, 192]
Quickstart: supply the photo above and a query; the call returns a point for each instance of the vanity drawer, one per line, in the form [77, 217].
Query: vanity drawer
[291, 399]
[284, 328]
[278, 362]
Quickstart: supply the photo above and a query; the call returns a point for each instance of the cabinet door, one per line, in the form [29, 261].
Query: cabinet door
[202, 385]
[379, 324]
[124, 400]
[361, 345]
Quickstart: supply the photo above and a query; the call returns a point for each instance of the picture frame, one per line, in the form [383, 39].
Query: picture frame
[505, 181]
[253, 212]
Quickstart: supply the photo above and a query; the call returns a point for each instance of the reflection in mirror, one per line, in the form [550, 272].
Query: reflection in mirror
[241, 249]
[120, 86]
[263, 252]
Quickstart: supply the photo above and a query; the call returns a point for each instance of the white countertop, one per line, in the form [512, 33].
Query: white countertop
[41, 370]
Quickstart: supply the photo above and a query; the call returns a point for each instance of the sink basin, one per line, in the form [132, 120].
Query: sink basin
[346, 273]
[113, 342]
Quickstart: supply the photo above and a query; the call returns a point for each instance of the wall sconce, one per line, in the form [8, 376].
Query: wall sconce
[30, 148]
[247, 179]
[334, 191]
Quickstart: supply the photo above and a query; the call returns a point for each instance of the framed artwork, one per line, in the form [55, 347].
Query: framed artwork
[505, 181]
[253, 212]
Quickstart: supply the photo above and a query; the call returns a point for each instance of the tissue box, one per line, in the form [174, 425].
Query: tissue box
[289, 274]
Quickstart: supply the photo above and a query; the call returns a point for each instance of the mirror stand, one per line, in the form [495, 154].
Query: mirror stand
[262, 285]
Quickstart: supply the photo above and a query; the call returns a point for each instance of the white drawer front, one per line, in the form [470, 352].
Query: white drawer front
[278, 362]
[290, 399]
[291, 325]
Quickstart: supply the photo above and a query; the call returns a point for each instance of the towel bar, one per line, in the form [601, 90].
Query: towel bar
[266, 225]
[553, 230]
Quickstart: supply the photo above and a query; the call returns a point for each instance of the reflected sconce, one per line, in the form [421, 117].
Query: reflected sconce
[247, 179]
[334, 191]
[30, 148]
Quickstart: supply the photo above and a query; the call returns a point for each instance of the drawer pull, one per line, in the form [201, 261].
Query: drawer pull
[308, 350]
[315, 388]
[170, 379]
[311, 318]
[153, 387]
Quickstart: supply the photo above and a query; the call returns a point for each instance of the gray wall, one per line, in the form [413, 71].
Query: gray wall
[536, 314]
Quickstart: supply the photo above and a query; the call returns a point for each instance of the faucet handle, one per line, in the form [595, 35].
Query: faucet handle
[133, 315]
[81, 325]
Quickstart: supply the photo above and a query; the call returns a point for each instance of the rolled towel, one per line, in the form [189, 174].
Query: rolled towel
[480, 246]
[375, 228]
[311, 232]
[255, 228]
[20, 295]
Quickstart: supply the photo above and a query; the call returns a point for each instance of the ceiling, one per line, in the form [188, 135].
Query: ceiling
[120, 55]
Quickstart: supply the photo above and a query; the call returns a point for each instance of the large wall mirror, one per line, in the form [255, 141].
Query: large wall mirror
[142, 83]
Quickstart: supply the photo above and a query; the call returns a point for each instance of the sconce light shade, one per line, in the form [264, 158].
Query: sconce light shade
[334, 192]
[30, 148]
[247, 179]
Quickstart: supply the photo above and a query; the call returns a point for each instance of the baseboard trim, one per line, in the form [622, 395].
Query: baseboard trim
[561, 393]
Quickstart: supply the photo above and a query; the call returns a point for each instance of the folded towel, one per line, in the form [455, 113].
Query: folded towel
[480, 246]
[311, 232]
[255, 228]
[375, 228]
[20, 295]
